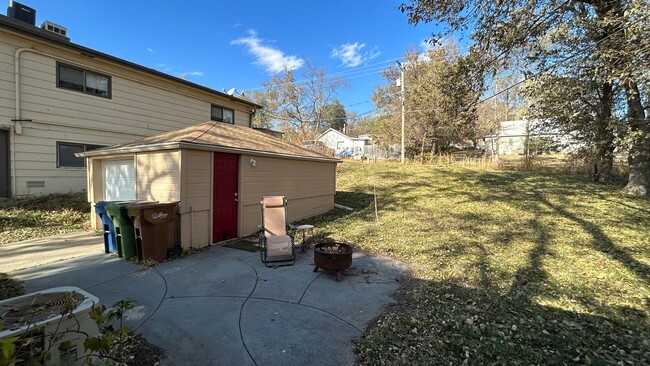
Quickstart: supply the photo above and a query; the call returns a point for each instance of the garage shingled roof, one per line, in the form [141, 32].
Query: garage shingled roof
[216, 136]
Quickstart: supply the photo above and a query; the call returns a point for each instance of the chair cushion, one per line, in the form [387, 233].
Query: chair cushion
[278, 245]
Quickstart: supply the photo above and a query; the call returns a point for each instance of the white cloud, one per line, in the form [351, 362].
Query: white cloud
[272, 59]
[150, 50]
[185, 75]
[352, 54]
[425, 46]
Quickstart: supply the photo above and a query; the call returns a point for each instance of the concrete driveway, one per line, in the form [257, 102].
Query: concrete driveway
[224, 307]
[40, 251]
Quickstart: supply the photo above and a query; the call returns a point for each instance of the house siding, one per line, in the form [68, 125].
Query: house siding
[140, 105]
[309, 187]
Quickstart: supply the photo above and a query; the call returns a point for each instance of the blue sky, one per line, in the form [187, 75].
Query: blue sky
[239, 44]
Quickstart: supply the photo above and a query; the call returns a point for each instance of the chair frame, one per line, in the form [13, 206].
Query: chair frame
[262, 240]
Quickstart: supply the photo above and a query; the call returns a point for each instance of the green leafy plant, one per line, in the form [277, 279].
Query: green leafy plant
[29, 349]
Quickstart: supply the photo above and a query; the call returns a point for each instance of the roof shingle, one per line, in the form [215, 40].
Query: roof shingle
[220, 136]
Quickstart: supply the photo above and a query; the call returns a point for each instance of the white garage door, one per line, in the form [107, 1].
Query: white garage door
[119, 180]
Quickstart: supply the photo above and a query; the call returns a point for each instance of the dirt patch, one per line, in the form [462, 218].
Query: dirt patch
[134, 350]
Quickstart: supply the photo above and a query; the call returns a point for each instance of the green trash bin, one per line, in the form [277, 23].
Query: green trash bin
[124, 232]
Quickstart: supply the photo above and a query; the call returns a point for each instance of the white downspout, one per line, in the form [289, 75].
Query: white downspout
[18, 127]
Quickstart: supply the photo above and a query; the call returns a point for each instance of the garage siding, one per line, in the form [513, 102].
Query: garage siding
[196, 197]
[308, 185]
[158, 176]
[186, 176]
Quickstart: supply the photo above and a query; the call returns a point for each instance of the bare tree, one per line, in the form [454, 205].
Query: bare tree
[298, 105]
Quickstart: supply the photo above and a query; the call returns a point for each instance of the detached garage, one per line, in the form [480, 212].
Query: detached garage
[219, 173]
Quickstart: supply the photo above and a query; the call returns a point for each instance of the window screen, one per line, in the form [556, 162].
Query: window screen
[97, 84]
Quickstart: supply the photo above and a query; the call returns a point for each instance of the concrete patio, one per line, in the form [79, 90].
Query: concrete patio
[223, 306]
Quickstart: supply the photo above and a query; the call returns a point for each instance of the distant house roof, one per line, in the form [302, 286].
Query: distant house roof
[215, 136]
[43, 35]
[339, 133]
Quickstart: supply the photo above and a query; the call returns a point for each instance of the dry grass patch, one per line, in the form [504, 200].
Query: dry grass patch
[511, 267]
[35, 217]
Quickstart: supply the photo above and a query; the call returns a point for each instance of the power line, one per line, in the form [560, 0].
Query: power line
[333, 76]
[359, 103]
[280, 118]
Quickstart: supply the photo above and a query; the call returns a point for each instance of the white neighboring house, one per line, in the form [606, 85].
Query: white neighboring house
[512, 137]
[510, 140]
[341, 142]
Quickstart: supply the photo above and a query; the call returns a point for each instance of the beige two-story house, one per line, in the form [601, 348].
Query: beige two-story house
[58, 98]
[72, 118]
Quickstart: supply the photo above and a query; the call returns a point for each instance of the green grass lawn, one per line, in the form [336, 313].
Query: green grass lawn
[507, 267]
[35, 217]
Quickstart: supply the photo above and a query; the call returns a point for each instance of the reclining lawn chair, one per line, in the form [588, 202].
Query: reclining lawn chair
[276, 242]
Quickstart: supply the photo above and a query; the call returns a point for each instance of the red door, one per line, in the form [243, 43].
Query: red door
[225, 197]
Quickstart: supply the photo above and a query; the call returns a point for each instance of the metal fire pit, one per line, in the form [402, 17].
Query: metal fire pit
[333, 256]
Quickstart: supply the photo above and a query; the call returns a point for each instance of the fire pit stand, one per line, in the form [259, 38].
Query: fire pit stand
[333, 256]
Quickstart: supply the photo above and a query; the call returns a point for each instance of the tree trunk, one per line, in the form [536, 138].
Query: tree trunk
[638, 184]
[605, 136]
[422, 150]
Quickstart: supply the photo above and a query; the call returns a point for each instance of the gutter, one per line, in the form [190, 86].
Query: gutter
[250, 117]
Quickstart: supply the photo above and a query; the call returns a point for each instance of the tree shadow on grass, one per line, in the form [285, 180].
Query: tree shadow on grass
[531, 192]
[443, 323]
[601, 242]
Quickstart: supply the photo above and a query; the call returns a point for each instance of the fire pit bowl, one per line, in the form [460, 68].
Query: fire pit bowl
[333, 256]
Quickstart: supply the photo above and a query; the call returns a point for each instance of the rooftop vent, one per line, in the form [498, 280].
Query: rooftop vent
[21, 12]
[55, 28]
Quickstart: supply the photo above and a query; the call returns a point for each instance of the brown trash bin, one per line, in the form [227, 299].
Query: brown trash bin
[154, 228]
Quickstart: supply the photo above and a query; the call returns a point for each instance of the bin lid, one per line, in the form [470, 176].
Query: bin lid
[115, 207]
[153, 213]
[117, 204]
[102, 204]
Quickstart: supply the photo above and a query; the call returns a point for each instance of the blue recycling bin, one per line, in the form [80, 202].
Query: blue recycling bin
[108, 229]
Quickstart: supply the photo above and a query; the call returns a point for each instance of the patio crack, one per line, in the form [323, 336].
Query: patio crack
[309, 307]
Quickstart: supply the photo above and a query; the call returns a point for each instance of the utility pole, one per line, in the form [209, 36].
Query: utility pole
[401, 82]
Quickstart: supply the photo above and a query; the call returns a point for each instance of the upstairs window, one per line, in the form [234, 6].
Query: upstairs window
[221, 114]
[88, 82]
[65, 157]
